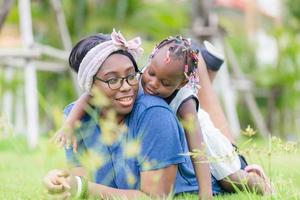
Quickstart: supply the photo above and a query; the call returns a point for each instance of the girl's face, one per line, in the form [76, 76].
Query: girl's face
[161, 78]
[117, 66]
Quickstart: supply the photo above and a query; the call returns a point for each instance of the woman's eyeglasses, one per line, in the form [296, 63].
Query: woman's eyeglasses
[116, 83]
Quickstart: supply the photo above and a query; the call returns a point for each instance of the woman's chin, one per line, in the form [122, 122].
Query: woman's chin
[124, 111]
[124, 108]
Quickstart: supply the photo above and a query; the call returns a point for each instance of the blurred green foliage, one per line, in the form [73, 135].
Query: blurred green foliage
[293, 11]
[276, 86]
[154, 20]
[282, 80]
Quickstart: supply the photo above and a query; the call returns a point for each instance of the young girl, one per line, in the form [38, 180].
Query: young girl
[172, 75]
[174, 65]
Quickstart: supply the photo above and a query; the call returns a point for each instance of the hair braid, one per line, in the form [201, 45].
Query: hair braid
[181, 49]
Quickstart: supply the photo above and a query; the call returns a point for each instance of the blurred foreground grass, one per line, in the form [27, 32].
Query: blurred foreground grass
[22, 170]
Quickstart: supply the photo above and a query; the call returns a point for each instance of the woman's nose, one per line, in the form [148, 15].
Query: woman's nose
[125, 86]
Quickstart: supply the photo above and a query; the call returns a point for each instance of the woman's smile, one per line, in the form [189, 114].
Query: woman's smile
[126, 101]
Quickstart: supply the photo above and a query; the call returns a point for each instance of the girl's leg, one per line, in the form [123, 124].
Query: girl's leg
[209, 100]
[211, 74]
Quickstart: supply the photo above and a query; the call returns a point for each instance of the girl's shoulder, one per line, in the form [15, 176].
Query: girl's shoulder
[183, 95]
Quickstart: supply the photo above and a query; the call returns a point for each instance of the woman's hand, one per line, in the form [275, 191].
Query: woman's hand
[60, 184]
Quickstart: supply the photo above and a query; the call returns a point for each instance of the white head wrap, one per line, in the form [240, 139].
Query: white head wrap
[94, 58]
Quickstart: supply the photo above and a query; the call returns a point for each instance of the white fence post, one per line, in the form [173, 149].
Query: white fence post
[19, 123]
[8, 96]
[30, 74]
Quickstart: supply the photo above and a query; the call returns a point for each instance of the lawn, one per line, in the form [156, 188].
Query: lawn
[22, 170]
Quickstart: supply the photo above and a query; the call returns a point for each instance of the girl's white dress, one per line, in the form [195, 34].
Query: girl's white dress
[220, 153]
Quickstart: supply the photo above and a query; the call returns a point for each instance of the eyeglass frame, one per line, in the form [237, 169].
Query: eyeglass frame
[120, 78]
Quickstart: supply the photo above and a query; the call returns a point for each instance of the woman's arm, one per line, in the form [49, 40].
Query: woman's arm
[154, 183]
[188, 113]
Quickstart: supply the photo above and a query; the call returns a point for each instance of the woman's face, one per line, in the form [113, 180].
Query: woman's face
[117, 66]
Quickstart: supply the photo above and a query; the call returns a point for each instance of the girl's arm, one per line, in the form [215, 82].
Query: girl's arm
[64, 135]
[188, 113]
[78, 110]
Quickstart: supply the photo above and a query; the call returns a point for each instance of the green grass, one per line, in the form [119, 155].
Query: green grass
[22, 170]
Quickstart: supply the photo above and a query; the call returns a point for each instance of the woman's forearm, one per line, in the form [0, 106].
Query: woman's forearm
[105, 192]
[161, 188]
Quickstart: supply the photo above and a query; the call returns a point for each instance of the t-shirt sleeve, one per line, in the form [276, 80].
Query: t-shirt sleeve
[73, 158]
[161, 139]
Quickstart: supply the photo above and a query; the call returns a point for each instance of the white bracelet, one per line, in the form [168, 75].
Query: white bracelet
[79, 186]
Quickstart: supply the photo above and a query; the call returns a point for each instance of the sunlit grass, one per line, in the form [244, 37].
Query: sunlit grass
[22, 170]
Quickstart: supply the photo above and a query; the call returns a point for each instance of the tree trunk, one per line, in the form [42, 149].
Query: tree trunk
[4, 10]
[201, 14]
[65, 36]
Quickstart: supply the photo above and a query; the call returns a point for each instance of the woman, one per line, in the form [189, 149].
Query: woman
[159, 167]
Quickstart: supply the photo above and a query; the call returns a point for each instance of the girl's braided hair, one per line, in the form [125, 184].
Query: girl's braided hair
[180, 48]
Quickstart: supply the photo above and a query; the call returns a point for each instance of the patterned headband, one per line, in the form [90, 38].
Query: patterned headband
[95, 57]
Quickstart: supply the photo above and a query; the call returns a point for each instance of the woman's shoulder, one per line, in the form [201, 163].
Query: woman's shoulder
[146, 105]
[147, 101]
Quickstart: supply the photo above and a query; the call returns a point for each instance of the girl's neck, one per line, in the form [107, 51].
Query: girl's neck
[171, 97]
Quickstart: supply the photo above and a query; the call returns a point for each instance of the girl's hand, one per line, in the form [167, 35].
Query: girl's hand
[65, 137]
